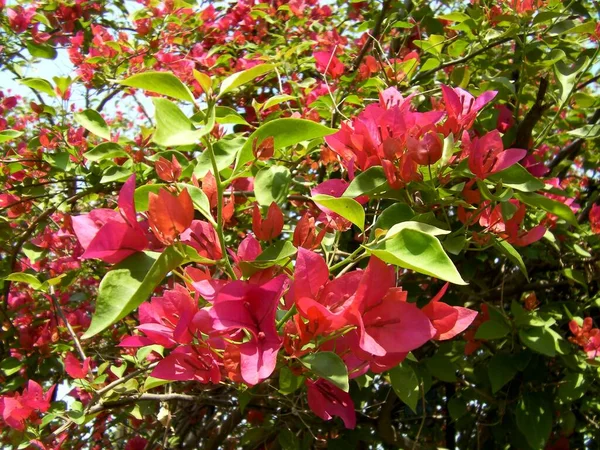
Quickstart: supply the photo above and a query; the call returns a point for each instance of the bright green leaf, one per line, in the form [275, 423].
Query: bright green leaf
[348, 208]
[272, 185]
[7, 135]
[173, 128]
[547, 204]
[93, 122]
[238, 79]
[105, 150]
[39, 84]
[517, 177]
[164, 83]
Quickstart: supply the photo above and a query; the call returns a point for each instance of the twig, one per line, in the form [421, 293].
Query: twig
[532, 117]
[374, 35]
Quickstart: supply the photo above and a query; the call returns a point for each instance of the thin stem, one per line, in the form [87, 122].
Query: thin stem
[219, 227]
[288, 314]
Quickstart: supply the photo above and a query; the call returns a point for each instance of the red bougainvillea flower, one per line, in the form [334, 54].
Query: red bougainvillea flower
[110, 235]
[305, 233]
[189, 363]
[462, 108]
[505, 118]
[169, 171]
[510, 229]
[17, 408]
[321, 301]
[269, 228]
[166, 320]
[75, 368]
[265, 150]
[169, 215]
[487, 155]
[328, 63]
[447, 320]
[202, 236]
[251, 307]
[327, 400]
[595, 218]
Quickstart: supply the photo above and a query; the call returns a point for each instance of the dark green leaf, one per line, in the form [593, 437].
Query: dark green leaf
[492, 329]
[442, 368]
[329, 366]
[501, 369]
[534, 419]
[547, 204]
[405, 383]
[366, 182]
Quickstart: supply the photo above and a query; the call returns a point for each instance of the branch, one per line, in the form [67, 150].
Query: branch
[374, 35]
[463, 59]
[532, 117]
[157, 398]
[571, 150]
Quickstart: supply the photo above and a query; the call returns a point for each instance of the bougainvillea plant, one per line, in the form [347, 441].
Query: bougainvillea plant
[299, 224]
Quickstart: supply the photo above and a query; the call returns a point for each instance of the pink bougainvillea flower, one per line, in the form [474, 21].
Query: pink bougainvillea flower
[328, 63]
[17, 408]
[202, 236]
[447, 320]
[269, 228]
[385, 322]
[505, 119]
[75, 368]
[486, 155]
[167, 320]
[111, 235]
[251, 307]
[595, 218]
[462, 108]
[169, 215]
[327, 401]
[189, 363]
[510, 229]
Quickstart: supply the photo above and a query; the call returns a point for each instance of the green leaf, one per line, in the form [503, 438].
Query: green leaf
[276, 100]
[547, 204]
[106, 150]
[41, 50]
[512, 254]
[575, 275]
[140, 196]
[10, 366]
[539, 339]
[7, 135]
[226, 115]
[586, 132]
[517, 177]
[39, 84]
[415, 250]
[22, 277]
[413, 225]
[329, 366]
[492, 329]
[434, 44]
[567, 75]
[173, 128]
[272, 185]
[348, 208]
[442, 368]
[288, 382]
[399, 212]
[405, 383]
[129, 284]
[534, 419]
[151, 383]
[93, 122]
[164, 83]
[501, 369]
[366, 182]
[238, 79]
[285, 132]
[457, 408]
[572, 388]
[225, 151]
[199, 199]
[277, 254]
